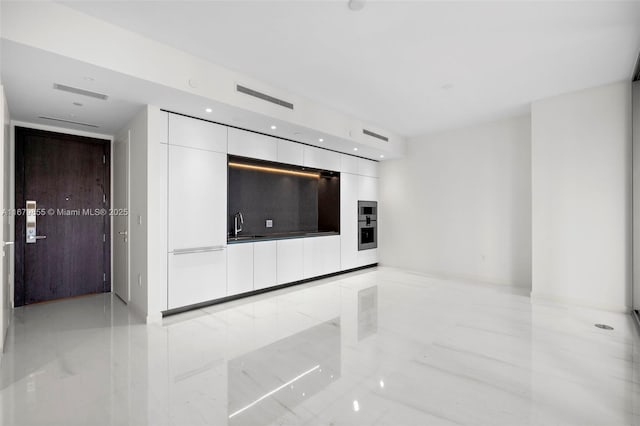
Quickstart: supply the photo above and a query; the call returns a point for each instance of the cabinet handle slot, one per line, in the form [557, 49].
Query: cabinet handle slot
[198, 250]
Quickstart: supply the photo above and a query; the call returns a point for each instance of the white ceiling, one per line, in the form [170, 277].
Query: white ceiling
[411, 67]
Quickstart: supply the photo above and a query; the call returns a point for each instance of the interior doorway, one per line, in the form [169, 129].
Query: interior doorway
[62, 216]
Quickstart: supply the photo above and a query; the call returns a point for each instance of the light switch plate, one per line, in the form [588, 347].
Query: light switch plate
[269, 223]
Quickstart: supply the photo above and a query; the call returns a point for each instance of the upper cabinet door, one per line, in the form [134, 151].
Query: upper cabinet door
[185, 131]
[349, 164]
[197, 198]
[321, 159]
[252, 145]
[367, 188]
[290, 153]
[367, 168]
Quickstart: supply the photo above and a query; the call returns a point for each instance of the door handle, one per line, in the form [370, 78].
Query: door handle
[41, 237]
[7, 243]
[125, 233]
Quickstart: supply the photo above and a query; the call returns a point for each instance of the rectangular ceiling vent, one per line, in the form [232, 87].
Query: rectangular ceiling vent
[62, 120]
[263, 96]
[375, 135]
[78, 91]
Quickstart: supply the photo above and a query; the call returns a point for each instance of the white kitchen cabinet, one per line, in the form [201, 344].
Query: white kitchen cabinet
[197, 198]
[349, 164]
[162, 126]
[290, 152]
[239, 268]
[252, 145]
[196, 212]
[290, 260]
[264, 264]
[321, 255]
[348, 221]
[368, 191]
[367, 257]
[196, 277]
[367, 188]
[200, 134]
[367, 167]
[321, 158]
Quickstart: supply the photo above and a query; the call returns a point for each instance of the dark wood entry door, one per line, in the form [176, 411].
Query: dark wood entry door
[68, 178]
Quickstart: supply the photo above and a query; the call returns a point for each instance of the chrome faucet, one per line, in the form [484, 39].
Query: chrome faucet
[237, 227]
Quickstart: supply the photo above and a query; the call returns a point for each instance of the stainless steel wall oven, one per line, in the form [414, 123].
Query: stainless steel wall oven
[367, 225]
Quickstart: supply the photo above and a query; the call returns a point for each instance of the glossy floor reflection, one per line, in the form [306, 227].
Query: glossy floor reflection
[381, 347]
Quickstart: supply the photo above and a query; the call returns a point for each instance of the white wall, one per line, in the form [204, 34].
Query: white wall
[148, 210]
[5, 283]
[636, 195]
[138, 210]
[581, 178]
[157, 177]
[458, 204]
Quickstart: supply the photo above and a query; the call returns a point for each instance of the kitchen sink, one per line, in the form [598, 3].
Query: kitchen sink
[242, 238]
[278, 236]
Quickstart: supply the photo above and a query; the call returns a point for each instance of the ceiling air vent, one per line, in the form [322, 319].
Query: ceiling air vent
[263, 96]
[62, 120]
[78, 91]
[375, 135]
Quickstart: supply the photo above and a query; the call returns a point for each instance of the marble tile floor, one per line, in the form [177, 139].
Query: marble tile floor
[377, 347]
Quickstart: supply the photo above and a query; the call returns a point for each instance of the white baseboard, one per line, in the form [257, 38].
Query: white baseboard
[137, 312]
[461, 277]
[154, 317]
[536, 296]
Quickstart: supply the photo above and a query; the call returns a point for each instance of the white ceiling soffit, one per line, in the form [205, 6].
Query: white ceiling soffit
[29, 75]
[412, 67]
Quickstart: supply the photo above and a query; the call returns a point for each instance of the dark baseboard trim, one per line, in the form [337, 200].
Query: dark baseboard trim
[263, 290]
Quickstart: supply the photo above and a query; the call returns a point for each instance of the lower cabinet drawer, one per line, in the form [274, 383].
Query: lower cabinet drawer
[264, 264]
[321, 256]
[239, 268]
[290, 260]
[196, 277]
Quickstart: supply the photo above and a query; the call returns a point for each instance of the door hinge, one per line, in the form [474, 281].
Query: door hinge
[104, 277]
[104, 159]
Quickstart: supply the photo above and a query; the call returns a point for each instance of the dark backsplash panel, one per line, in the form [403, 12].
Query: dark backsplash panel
[291, 201]
[329, 203]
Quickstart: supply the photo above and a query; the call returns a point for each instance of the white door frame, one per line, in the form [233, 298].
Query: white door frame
[122, 141]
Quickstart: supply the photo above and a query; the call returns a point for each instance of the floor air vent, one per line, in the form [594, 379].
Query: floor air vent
[375, 135]
[263, 96]
[78, 91]
[62, 120]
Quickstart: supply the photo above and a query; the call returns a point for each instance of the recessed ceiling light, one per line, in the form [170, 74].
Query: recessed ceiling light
[208, 110]
[355, 149]
[381, 156]
[273, 127]
[356, 5]
[320, 140]
[356, 406]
